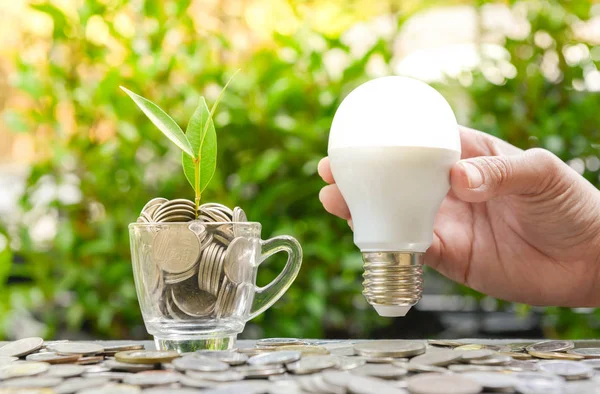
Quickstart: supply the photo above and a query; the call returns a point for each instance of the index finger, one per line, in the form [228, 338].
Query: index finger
[324, 170]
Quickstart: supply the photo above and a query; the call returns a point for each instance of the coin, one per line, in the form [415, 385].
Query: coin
[569, 370]
[65, 370]
[237, 257]
[175, 249]
[191, 300]
[346, 363]
[224, 376]
[493, 380]
[539, 383]
[496, 359]
[591, 352]
[23, 368]
[21, 347]
[390, 348]
[550, 346]
[384, 371]
[7, 359]
[112, 388]
[371, 385]
[439, 358]
[468, 355]
[278, 357]
[555, 355]
[146, 356]
[52, 357]
[517, 356]
[433, 383]
[226, 356]
[594, 363]
[129, 367]
[305, 349]
[312, 364]
[149, 378]
[279, 342]
[71, 348]
[444, 343]
[88, 360]
[260, 371]
[31, 382]
[199, 363]
[473, 346]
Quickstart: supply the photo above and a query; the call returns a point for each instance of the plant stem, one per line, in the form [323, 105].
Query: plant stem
[197, 184]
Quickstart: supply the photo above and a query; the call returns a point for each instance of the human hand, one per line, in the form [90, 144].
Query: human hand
[518, 225]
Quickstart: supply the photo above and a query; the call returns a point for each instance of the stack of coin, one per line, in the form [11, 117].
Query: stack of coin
[196, 270]
[289, 365]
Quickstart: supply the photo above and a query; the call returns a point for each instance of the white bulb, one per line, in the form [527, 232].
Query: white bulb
[392, 143]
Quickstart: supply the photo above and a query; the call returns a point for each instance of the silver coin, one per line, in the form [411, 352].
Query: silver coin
[129, 367]
[175, 250]
[439, 358]
[594, 363]
[65, 370]
[23, 368]
[225, 376]
[226, 356]
[337, 378]
[474, 368]
[237, 260]
[199, 363]
[152, 378]
[539, 383]
[239, 215]
[112, 388]
[21, 347]
[188, 381]
[83, 348]
[260, 371]
[31, 382]
[381, 360]
[384, 371]
[590, 352]
[152, 205]
[7, 360]
[469, 355]
[112, 375]
[496, 359]
[371, 385]
[218, 273]
[278, 357]
[342, 351]
[390, 348]
[444, 343]
[434, 383]
[421, 368]
[551, 346]
[569, 370]
[76, 384]
[312, 364]
[347, 363]
[191, 300]
[493, 380]
[52, 357]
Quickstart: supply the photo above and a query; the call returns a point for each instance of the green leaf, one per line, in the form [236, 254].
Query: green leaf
[163, 121]
[201, 127]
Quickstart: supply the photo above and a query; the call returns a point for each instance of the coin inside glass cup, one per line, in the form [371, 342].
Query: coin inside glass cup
[175, 249]
[191, 300]
[237, 260]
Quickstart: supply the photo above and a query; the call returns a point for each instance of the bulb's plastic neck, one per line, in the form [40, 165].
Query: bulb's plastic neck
[393, 281]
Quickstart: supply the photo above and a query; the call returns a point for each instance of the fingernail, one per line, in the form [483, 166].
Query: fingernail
[321, 194]
[474, 176]
[351, 224]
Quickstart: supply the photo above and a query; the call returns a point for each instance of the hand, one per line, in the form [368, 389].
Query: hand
[517, 225]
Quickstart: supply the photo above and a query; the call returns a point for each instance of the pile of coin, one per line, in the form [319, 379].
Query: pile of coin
[289, 365]
[198, 269]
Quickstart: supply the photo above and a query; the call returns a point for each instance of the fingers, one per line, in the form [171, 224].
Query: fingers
[324, 170]
[476, 143]
[481, 179]
[333, 201]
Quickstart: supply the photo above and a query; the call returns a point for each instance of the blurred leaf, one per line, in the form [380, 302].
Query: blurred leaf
[14, 121]
[164, 122]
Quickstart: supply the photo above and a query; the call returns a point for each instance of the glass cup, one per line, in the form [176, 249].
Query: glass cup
[196, 281]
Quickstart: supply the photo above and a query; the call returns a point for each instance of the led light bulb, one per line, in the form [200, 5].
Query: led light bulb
[392, 143]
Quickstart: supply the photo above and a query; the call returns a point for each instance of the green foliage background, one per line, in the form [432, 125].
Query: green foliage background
[272, 128]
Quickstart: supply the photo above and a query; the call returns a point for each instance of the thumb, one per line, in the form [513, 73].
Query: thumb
[483, 178]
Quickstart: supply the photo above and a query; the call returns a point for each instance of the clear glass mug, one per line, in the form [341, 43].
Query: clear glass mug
[196, 281]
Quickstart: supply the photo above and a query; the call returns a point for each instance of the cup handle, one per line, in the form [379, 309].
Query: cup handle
[266, 296]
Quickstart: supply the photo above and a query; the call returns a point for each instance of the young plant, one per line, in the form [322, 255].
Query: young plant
[198, 143]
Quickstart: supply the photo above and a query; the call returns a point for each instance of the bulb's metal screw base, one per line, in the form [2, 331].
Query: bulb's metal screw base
[393, 281]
